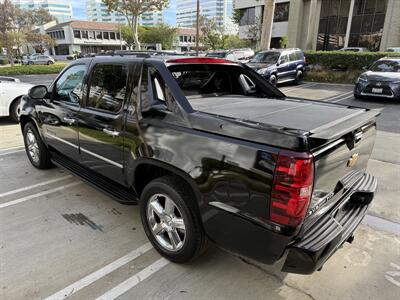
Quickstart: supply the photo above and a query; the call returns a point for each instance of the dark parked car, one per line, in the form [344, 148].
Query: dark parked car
[280, 65]
[210, 151]
[382, 79]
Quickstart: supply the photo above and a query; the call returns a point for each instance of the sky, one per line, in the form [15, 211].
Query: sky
[79, 11]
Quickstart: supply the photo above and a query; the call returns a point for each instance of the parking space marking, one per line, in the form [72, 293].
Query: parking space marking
[11, 152]
[34, 186]
[23, 199]
[329, 99]
[89, 279]
[306, 85]
[134, 280]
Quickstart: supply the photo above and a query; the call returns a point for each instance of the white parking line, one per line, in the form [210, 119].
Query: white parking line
[89, 279]
[341, 99]
[13, 202]
[306, 85]
[337, 96]
[11, 152]
[134, 280]
[34, 186]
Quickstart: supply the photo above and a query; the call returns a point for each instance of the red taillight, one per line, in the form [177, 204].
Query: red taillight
[199, 60]
[292, 187]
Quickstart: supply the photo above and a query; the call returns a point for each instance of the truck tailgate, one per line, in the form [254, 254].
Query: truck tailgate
[340, 160]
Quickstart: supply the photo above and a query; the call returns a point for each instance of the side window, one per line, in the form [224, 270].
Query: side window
[68, 87]
[284, 58]
[293, 56]
[160, 91]
[107, 87]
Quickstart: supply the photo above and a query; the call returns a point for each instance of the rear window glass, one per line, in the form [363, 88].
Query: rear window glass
[199, 83]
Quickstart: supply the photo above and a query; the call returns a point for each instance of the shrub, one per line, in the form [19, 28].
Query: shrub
[32, 69]
[3, 61]
[344, 60]
[326, 75]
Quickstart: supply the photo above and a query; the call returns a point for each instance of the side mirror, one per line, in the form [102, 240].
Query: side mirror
[38, 92]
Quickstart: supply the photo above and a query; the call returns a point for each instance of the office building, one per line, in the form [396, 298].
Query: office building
[97, 11]
[61, 10]
[328, 24]
[85, 37]
[218, 10]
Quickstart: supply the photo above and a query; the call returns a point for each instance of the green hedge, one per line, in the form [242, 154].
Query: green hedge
[344, 60]
[32, 69]
[349, 76]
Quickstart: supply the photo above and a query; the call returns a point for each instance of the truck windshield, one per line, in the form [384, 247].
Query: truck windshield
[266, 57]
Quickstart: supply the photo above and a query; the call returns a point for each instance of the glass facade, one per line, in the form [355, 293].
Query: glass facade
[366, 26]
[333, 24]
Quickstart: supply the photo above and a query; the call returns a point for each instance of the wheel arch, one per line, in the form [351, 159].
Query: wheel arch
[152, 169]
[12, 102]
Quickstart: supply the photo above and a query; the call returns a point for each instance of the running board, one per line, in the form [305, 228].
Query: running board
[114, 190]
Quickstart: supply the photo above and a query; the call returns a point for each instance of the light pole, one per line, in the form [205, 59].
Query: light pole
[197, 27]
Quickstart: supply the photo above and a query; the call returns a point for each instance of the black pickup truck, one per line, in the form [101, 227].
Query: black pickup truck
[210, 151]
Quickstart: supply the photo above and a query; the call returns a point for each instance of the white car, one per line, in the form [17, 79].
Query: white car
[11, 91]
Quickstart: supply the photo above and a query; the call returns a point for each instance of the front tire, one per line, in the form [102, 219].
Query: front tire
[170, 219]
[273, 80]
[14, 110]
[36, 150]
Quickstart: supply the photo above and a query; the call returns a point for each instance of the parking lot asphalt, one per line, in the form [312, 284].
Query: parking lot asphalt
[60, 238]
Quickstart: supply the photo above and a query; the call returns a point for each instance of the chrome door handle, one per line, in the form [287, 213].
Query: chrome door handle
[70, 121]
[111, 132]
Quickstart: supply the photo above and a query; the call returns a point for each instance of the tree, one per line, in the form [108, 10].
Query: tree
[127, 35]
[159, 34]
[132, 9]
[236, 16]
[283, 41]
[41, 16]
[40, 42]
[233, 41]
[7, 39]
[210, 35]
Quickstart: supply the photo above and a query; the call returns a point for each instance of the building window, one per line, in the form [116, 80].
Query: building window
[99, 35]
[118, 36]
[281, 13]
[91, 35]
[112, 35]
[85, 34]
[367, 24]
[105, 35]
[247, 16]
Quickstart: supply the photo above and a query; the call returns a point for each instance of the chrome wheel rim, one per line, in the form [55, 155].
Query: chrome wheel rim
[32, 145]
[273, 80]
[166, 222]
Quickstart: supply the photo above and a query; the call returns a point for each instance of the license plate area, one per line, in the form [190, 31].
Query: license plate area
[377, 90]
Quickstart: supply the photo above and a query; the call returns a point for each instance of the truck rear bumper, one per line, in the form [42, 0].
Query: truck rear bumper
[331, 231]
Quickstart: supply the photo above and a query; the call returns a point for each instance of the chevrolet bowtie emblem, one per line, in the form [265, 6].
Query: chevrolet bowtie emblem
[352, 160]
[379, 84]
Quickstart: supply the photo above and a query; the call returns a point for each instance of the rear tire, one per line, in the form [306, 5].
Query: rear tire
[174, 229]
[299, 77]
[49, 62]
[36, 150]
[14, 110]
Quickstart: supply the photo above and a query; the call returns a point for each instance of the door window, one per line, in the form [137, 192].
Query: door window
[284, 59]
[293, 56]
[68, 87]
[108, 87]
